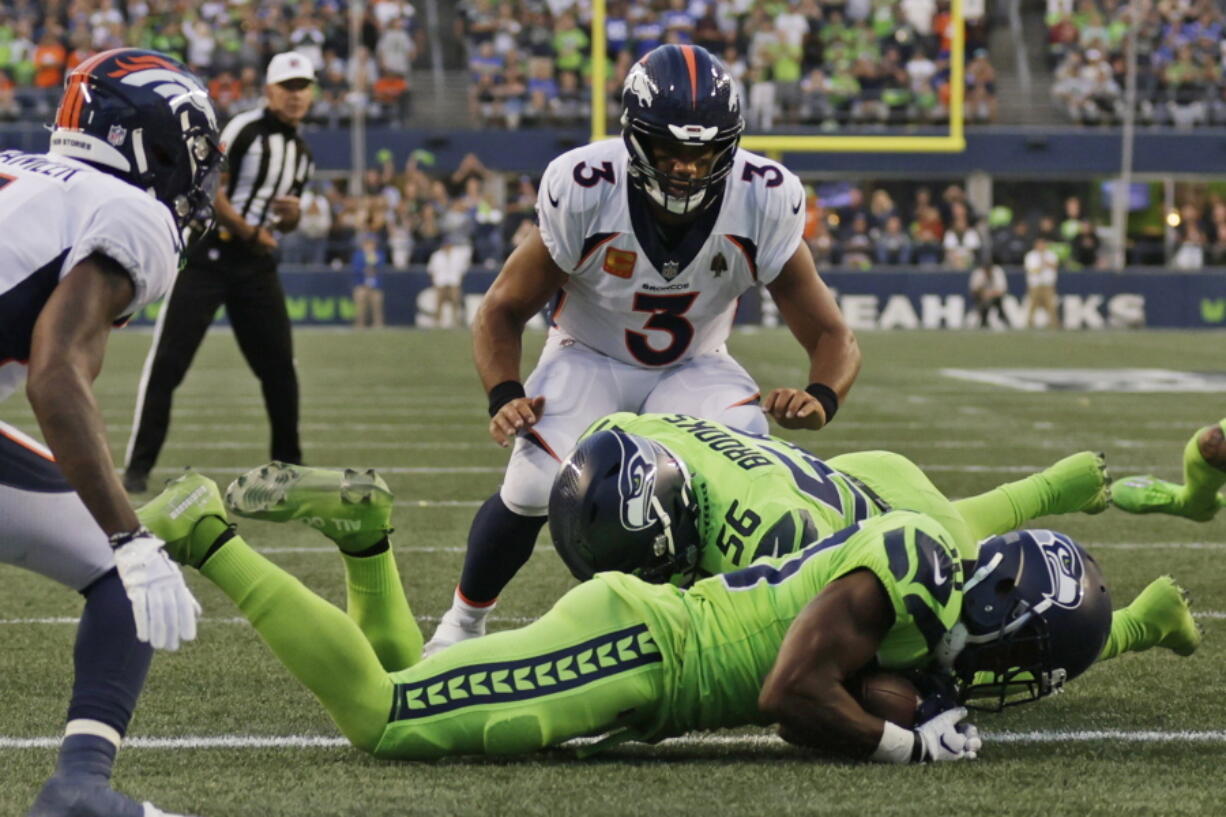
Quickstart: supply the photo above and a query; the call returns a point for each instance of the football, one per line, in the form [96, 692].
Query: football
[888, 696]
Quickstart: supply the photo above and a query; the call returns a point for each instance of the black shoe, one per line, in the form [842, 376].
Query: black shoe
[135, 482]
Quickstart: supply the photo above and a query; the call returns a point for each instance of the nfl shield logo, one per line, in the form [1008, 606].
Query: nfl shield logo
[117, 135]
[670, 270]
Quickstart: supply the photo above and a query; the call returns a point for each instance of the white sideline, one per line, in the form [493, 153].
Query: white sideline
[697, 741]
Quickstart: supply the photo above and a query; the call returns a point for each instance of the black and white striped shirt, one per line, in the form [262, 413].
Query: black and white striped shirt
[267, 159]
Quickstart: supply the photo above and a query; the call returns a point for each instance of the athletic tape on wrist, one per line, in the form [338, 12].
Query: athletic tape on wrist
[897, 745]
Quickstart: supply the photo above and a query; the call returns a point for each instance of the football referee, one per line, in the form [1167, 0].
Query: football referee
[236, 265]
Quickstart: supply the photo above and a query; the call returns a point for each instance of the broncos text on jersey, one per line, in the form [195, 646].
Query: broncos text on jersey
[54, 212]
[631, 297]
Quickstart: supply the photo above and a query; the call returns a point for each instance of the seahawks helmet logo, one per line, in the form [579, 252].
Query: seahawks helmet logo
[636, 484]
[1064, 568]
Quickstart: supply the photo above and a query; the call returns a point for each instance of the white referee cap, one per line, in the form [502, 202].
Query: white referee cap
[287, 66]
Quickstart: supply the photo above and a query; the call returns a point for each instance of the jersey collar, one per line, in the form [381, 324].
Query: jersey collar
[649, 238]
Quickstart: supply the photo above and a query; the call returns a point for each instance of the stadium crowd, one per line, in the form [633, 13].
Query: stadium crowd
[228, 42]
[414, 210]
[1181, 60]
[824, 63]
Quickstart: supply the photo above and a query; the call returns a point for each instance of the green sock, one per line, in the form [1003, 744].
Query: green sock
[1201, 481]
[1005, 508]
[1128, 634]
[378, 604]
[317, 643]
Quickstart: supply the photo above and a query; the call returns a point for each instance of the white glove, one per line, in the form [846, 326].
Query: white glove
[944, 738]
[164, 609]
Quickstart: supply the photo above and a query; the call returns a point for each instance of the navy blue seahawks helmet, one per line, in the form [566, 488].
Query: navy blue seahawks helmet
[1036, 613]
[142, 116]
[680, 96]
[624, 502]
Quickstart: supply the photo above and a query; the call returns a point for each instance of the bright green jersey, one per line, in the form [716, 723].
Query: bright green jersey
[720, 638]
[757, 495]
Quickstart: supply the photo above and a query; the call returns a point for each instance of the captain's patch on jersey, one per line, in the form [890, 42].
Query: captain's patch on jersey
[619, 262]
[1104, 380]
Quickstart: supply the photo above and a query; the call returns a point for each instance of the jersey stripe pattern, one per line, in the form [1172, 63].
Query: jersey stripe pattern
[267, 159]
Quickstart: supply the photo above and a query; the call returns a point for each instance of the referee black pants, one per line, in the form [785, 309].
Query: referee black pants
[247, 284]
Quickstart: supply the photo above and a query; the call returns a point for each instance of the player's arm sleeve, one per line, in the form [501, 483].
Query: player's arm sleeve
[561, 213]
[783, 223]
[138, 234]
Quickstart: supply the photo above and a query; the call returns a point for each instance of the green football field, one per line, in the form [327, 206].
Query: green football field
[223, 731]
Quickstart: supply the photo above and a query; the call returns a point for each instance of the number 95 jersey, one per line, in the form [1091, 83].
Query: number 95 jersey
[633, 297]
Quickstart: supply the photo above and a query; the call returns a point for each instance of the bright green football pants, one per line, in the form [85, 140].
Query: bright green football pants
[587, 666]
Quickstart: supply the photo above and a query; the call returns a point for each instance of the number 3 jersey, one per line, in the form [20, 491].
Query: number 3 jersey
[55, 212]
[631, 295]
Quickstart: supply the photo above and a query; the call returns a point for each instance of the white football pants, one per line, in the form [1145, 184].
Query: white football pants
[580, 385]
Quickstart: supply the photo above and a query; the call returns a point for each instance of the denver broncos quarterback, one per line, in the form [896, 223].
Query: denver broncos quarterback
[645, 243]
[90, 233]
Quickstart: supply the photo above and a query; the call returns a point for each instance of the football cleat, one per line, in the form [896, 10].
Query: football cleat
[352, 508]
[1080, 482]
[174, 513]
[88, 796]
[1144, 493]
[1166, 607]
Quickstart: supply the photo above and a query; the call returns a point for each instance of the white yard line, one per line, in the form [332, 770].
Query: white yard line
[697, 741]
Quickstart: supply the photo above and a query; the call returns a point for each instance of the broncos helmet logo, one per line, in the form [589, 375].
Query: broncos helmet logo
[640, 84]
[636, 485]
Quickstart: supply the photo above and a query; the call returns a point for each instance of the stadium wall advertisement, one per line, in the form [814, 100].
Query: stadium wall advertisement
[870, 300]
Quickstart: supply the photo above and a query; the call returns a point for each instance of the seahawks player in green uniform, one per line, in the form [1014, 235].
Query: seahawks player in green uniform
[773, 643]
[671, 497]
[1199, 497]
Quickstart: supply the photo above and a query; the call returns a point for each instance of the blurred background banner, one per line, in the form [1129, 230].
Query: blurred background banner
[905, 299]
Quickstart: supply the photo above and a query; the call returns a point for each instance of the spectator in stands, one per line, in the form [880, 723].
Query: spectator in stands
[368, 263]
[881, 208]
[988, 287]
[858, 245]
[892, 244]
[10, 108]
[927, 233]
[1013, 249]
[486, 224]
[1190, 254]
[308, 244]
[49, 59]
[1217, 235]
[961, 241]
[1042, 269]
[449, 263]
[1085, 246]
[981, 88]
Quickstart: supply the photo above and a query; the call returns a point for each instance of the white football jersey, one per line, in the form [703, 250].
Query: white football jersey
[54, 212]
[630, 297]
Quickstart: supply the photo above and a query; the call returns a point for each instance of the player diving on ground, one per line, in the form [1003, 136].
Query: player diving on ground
[773, 643]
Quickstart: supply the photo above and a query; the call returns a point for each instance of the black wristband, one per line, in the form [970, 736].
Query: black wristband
[826, 396]
[504, 393]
